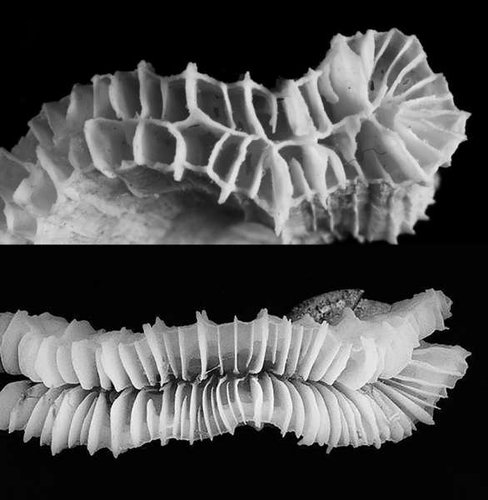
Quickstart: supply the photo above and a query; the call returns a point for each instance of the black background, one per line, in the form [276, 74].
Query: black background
[44, 54]
[130, 286]
[53, 50]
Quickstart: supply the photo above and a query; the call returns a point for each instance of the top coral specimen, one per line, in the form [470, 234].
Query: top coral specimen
[352, 148]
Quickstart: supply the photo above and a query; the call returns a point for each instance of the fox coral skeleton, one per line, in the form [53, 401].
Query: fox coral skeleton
[351, 149]
[353, 379]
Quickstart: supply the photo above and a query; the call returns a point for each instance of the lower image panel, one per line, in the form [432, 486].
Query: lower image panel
[109, 354]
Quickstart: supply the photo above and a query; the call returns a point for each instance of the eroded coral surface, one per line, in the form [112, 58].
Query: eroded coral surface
[351, 149]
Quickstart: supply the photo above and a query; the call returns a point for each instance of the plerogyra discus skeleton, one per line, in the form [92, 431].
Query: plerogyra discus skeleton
[352, 148]
[364, 375]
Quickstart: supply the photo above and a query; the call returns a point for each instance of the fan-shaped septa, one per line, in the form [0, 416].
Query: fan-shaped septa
[347, 77]
[109, 143]
[332, 415]
[296, 110]
[36, 194]
[150, 91]
[281, 187]
[58, 169]
[12, 173]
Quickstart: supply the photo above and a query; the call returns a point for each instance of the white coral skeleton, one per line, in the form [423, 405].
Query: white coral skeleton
[365, 376]
[353, 148]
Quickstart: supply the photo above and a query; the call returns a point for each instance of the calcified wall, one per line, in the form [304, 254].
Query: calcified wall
[352, 148]
[352, 381]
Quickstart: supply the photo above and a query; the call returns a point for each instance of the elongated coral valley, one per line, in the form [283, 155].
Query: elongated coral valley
[356, 379]
[353, 148]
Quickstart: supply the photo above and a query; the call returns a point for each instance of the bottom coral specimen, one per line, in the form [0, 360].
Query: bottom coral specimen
[343, 371]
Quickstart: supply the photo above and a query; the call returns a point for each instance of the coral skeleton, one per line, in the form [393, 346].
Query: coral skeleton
[351, 149]
[362, 376]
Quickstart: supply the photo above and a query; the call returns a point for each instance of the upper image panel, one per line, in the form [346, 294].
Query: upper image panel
[142, 139]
